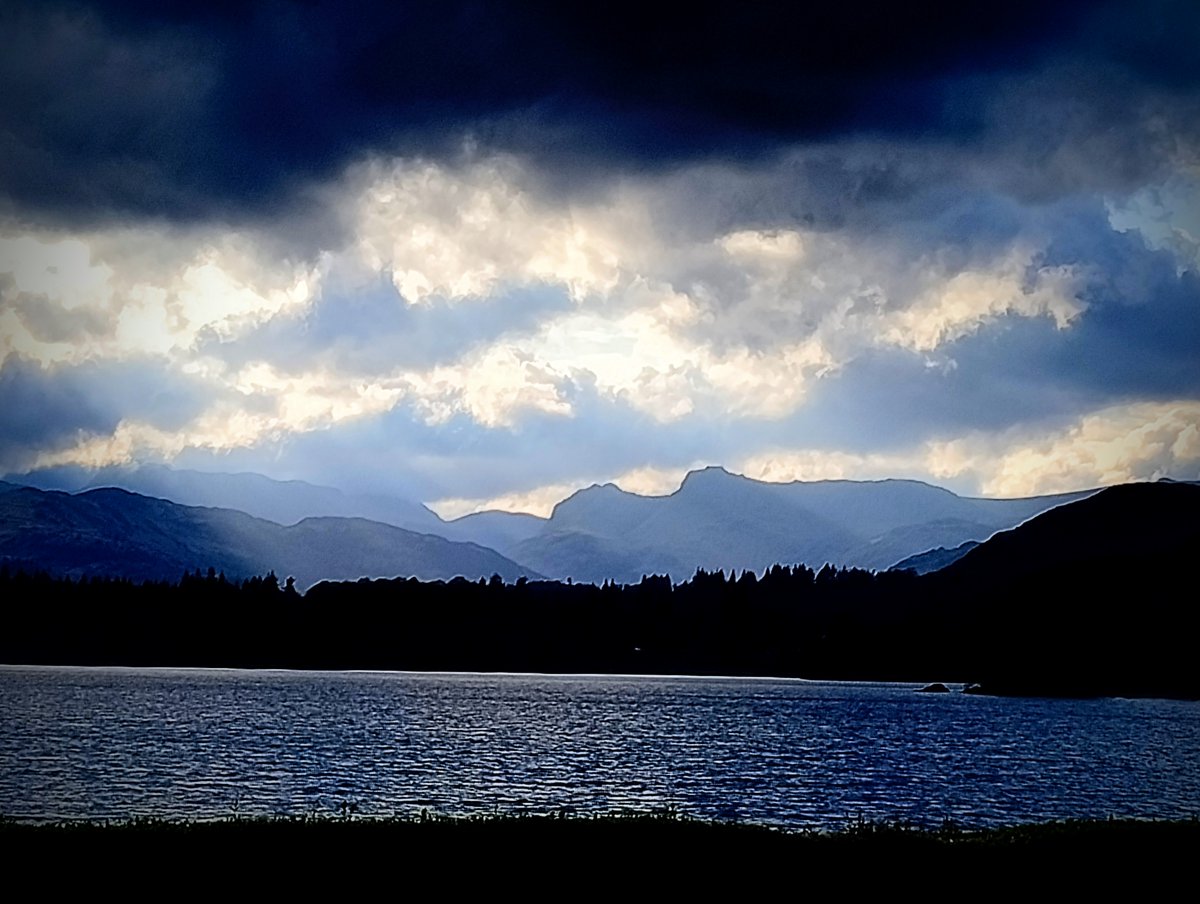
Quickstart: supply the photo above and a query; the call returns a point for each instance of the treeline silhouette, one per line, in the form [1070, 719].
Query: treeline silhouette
[791, 619]
[1119, 630]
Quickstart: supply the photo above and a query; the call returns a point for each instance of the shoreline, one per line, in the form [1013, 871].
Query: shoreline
[615, 852]
[666, 817]
[953, 687]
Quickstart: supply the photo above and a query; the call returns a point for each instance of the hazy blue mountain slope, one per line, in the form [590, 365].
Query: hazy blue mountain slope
[115, 532]
[291, 501]
[603, 510]
[587, 558]
[875, 507]
[281, 501]
[329, 548]
[883, 552]
[718, 520]
[501, 531]
[934, 559]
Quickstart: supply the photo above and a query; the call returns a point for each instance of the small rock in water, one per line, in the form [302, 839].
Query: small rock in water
[935, 688]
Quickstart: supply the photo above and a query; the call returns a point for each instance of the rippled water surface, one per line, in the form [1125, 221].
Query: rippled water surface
[110, 743]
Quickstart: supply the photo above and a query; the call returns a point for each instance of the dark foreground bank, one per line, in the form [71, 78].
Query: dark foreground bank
[549, 856]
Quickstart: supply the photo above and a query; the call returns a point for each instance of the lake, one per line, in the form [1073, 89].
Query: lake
[113, 743]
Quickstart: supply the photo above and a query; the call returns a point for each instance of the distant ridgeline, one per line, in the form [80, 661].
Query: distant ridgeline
[1095, 597]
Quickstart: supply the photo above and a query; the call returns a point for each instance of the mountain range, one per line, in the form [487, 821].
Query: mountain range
[118, 533]
[719, 520]
[716, 520]
[1089, 598]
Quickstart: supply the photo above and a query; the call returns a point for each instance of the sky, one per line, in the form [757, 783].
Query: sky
[483, 254]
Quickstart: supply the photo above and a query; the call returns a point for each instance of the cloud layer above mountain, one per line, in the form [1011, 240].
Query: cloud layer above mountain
[485, 253]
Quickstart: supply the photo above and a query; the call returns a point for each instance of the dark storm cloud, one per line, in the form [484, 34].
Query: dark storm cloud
[41, 411]
[47, 409]
[207, 109]
[1137, 339]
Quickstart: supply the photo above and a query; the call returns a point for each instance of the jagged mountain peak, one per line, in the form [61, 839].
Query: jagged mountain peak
[708, 474]
[596, 493]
